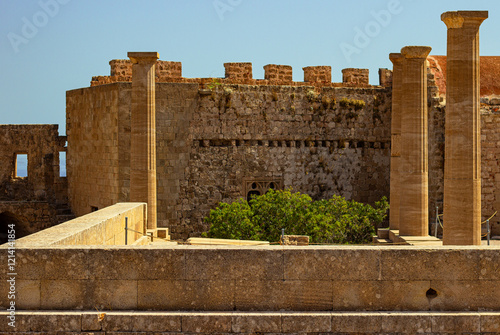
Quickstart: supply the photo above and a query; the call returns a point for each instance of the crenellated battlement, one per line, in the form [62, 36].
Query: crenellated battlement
[241, 73]
[355, 77]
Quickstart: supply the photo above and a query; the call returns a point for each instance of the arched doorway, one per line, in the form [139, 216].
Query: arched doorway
[7, 222]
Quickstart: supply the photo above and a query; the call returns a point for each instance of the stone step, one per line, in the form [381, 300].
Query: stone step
[378, 240]
[64, 217]
[164, 323]
[383, 233]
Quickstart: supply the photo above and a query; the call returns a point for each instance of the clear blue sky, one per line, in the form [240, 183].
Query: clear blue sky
[75, 39]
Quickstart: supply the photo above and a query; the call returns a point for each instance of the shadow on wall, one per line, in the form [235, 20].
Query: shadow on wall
[9, 221]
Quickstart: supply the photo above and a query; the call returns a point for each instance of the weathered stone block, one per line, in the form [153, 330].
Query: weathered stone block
[261, 323]
[464, 295]
[141, 322]
[330, 264]
[113, 294]
[425, 264]
[283, 295]
[306, 322]
[185, 295]
[234, 263]
[27, 321]
[380, 295]
[456, 322]
[27, 294]
[143, 263]
[63, 294]
[196, 323]
[357, 322]
[406, 323]
[490, 322]
[489, 264]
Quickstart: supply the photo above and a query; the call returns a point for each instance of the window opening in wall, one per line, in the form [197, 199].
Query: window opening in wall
[261, 186]
[21, 165]
[93, 209]
[62, 163]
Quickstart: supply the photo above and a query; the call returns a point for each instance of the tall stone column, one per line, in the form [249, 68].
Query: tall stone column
[143, 133]
[397, 90]
[462, 163]
[414, 207]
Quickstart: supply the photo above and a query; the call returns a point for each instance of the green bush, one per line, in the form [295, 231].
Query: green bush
[334, 220]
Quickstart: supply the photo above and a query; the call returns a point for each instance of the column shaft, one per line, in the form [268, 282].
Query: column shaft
[143, 133]
[462, 171]
[397, 90]
[414, 213]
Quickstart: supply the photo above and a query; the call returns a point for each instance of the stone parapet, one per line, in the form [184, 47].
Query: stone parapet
[355, 77]
[278, 73]
[318, 74]
[267, 278]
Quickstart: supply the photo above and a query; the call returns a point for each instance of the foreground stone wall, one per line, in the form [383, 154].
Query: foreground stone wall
[188, 278]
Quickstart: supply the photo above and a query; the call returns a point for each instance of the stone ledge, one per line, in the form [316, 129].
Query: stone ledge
[51, 322]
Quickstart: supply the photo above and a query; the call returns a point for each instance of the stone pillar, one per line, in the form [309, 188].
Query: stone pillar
[397, 90]
[462, 170]
[414, 203]
[143, 133]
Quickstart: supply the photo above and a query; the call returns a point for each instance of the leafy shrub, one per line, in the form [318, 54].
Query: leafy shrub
[334, 220]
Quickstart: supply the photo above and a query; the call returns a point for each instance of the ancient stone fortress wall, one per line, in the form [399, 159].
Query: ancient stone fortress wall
[218, 138]
[31, 201]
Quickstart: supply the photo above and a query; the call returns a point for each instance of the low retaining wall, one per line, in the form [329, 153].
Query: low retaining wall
[251, 323]
[103, 227]
[271, 278]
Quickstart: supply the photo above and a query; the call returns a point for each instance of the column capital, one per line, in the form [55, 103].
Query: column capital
[457, 19]
[395, 58]
[143, 57]
[416, 52]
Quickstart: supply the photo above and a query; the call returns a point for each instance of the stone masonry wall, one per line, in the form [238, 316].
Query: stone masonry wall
[93, 151]
[31, 201]
[210, 142]
[332, 141]
[272, 278]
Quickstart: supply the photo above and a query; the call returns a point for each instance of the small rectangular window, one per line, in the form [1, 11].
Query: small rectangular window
[62, 163]
[21, 165]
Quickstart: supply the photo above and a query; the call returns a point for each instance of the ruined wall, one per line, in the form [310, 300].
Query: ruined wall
[31, 201]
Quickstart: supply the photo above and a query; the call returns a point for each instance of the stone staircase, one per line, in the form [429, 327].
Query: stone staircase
[64, 213]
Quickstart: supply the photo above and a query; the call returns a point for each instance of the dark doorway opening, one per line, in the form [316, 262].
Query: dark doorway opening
[8, 222]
